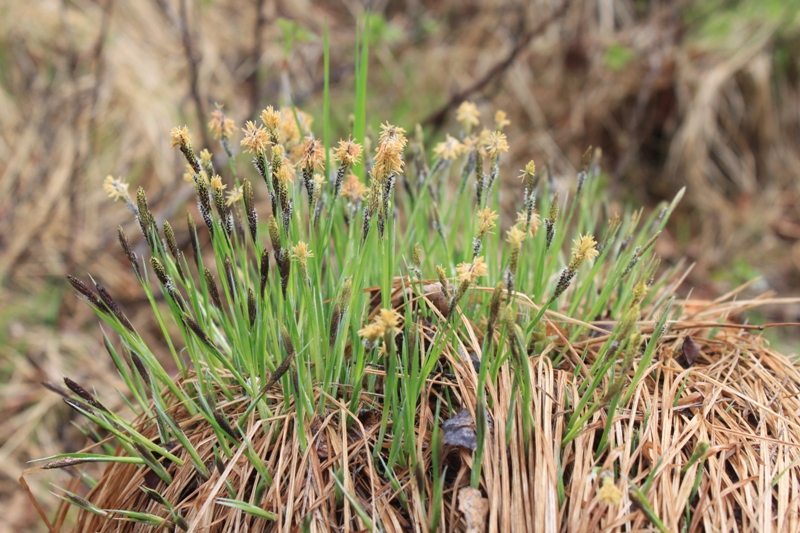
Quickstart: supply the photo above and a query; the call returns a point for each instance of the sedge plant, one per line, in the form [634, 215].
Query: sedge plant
[336, 306]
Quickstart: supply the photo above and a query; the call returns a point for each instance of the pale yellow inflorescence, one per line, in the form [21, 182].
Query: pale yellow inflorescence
[500, 120]
[469, 272]
[255, 138]
[353, 189]
[468, 115]
[450, 148]
[585, 248]
[116, 188]
[220, 125]
[486, 219]
[348, 152]
[387, 321]
[179, 136]
[515, 236]
[234, 195]
[496, 144]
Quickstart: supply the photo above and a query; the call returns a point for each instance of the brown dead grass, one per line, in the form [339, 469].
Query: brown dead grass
[91, 88]
[740, 397]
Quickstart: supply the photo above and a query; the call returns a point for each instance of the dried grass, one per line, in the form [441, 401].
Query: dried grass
[740, 397]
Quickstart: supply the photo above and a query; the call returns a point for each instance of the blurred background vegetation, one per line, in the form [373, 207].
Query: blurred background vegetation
[702, 93]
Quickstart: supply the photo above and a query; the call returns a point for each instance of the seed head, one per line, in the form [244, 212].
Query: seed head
[285, 174]
[312, 155]
[585, 248]
[301, 252]
[220, 125]
[450, 148]
[348, 152]
[487, 219]
[179, 137]
[353, 189]
[116, 189]
[515, 236]
[216, 184]
[522, 221]
[468, 115]
[233, 196]
[469, 272]
[255, 138]
[500, 120]
[387, 322]
[271, 119]
[528, 172]
[496, 144]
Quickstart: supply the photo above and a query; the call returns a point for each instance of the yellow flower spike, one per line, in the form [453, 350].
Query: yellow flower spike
[500, 120]
[469, 272]
[449, 149]
[529, 171]
[301, 252]
[116, 188]
[348, 152]
[468, 115]
[217, 185]
[585, 248]
[179, 137]
[255, 138]
[487, 219]
[234, 195]
[496, 144]
[353, 189]
[220, 125]
[271, 118]
[515, 236]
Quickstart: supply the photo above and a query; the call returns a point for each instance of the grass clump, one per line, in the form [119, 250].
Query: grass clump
[369, 353]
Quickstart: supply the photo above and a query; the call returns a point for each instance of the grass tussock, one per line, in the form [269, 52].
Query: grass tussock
[402, 356]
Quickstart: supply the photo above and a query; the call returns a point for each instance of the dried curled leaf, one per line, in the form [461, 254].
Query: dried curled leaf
[474, 507]
[689, 352]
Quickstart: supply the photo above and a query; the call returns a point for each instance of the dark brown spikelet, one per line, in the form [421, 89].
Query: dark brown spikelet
[129, 253]
[251, 306]
[155, 496]
[275, 237]
[264, 271]
[140, 368]
[192, 324]
[230, 277]
[494, 307]
[193, 238]
[88, 293]
[63, 463]
[250, 208]
[204, 205]
[284, 266]
[78, 406]
[172, 244]
[146, 220]
[339, 308]
[163, 277]
[83, 393]
[285, 364]
[212, 288]
[113, 306]
[77, 500]
[225, 425]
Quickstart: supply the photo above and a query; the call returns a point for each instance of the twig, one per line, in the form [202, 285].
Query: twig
[253, 80]
[191, 57]
[437, 117]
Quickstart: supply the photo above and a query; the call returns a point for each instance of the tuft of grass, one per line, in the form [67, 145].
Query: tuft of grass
[316, 349]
